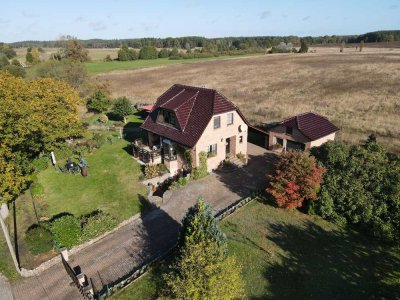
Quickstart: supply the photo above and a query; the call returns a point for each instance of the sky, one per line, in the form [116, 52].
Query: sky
[116, 19]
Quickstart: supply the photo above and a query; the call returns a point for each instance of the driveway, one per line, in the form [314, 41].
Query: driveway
[116, 255]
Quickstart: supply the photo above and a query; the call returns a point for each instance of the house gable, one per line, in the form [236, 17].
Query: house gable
[194, 107]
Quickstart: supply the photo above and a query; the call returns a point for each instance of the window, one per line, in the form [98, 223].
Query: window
[168, 117]
[212, 150]
[240, 139]
[217, 122]
[289, 130]
[229, 119]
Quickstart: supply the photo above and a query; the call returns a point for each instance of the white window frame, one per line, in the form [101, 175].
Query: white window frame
[213, 148]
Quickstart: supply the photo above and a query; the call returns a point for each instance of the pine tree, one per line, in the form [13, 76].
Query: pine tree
[203, 269]
[303, 46]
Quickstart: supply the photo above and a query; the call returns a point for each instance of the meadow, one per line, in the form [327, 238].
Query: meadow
[358, 91]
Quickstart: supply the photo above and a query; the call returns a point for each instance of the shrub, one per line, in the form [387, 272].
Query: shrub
[296, 177]
[122, 108]
[39, 240]
[107, 58]
[72, 72]
[40, 163]
[66, 230]
[103, 119]
[98, 102]
[201, 170]
[151, 171]
[164, 53]
[99, 139]
[241, 156]
[148, 52]
[17, 71]
[97, 224]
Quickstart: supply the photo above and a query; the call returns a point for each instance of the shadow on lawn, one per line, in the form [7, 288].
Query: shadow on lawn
[320, 264]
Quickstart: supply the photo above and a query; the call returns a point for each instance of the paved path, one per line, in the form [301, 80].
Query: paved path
[117, 254]
[5, 289]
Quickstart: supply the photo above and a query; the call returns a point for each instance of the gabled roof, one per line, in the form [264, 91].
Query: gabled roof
[193, 107]
[311, 125]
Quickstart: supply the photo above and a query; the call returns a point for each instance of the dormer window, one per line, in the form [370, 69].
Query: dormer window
[289, 130]
[167, 117]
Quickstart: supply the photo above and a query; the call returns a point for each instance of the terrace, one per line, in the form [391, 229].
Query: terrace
[155, 153]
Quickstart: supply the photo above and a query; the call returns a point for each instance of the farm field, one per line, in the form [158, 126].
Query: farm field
[290, 255]
[103, 67]
[359, 92]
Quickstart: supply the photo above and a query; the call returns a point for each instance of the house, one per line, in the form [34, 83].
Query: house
[189, 120]
[302, 132]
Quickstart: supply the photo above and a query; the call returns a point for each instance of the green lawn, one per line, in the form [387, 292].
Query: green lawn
[103, 67]
[289, 255]
[112, 185]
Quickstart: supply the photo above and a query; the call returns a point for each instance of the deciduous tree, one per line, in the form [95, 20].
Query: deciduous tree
[361, 186]
[297, 177]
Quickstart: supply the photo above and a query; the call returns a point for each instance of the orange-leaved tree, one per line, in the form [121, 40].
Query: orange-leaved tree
[296, 177]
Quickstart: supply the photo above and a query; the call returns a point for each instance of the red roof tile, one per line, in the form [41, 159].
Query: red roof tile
[312, 125]
[194, 108]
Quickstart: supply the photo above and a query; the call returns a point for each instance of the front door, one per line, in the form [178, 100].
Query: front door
[227, 147]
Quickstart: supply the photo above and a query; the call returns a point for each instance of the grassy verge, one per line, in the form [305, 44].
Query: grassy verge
[104, 67]
[289, 255]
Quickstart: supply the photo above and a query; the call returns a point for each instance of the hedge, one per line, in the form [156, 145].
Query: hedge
[66, 230]
[97, 224]
[39, 240]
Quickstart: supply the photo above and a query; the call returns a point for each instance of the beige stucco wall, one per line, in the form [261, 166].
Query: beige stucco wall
[322, 140]
[218, 136]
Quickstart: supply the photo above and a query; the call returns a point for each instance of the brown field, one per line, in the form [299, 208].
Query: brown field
[360, 92]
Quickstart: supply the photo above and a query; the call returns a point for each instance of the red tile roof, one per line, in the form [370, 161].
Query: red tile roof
[194, 108]
[147, 108]
[312, 125]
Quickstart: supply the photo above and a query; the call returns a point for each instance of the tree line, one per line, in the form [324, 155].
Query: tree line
[190, 42]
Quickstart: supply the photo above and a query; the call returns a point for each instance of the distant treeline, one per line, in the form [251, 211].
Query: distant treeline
[191, 42]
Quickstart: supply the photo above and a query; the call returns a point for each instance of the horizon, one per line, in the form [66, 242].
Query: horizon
[122, 19]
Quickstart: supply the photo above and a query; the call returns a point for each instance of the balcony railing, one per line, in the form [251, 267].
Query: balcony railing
[144, 153]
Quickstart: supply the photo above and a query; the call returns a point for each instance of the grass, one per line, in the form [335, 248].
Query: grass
[359, 92]
[104, 67]
[289, 255]
[112, 185]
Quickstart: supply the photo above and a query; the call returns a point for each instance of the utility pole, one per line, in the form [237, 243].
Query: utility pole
[3, 215]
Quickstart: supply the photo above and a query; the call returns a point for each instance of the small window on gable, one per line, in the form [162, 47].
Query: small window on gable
[240, 139]
[217, 122]
[229, 119]
[289, 130]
